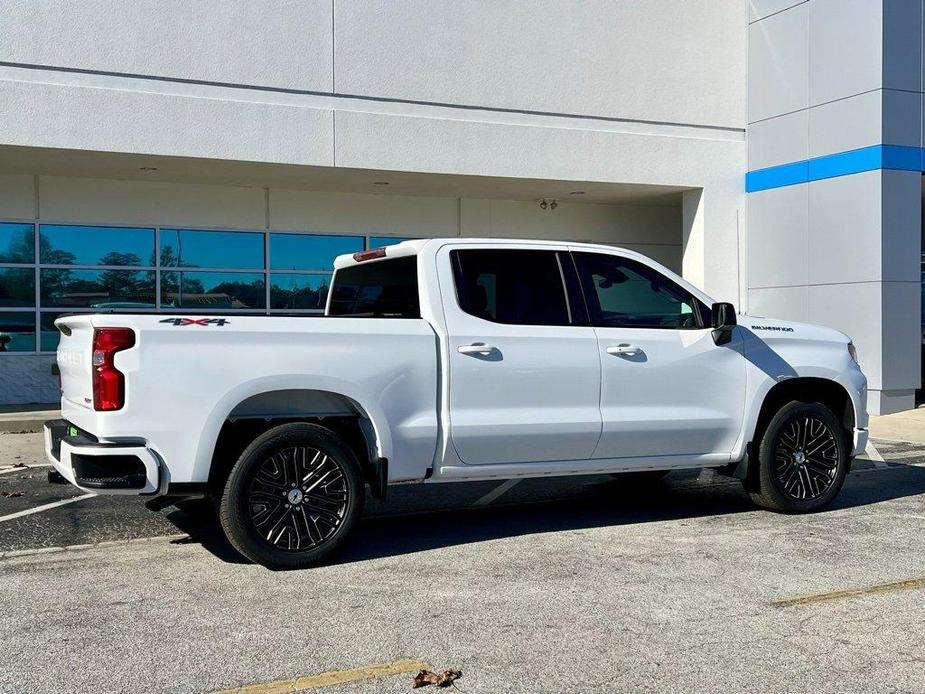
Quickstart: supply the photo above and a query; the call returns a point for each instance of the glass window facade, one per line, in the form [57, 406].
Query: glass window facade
[49, 270]
[17, 243]
[212, 249]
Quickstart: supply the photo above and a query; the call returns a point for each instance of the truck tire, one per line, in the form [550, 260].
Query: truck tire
[803, 459]
[292, 497]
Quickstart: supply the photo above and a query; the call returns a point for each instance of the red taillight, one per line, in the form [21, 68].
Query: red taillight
[108, 381]
[369, 255]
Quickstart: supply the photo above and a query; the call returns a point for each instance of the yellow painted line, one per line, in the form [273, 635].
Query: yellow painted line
[326, 679]
[910, 584]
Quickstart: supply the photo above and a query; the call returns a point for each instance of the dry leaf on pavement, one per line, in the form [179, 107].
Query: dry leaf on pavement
[440, 679]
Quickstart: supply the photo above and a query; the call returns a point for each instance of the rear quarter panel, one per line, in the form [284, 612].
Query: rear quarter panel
[182, 381]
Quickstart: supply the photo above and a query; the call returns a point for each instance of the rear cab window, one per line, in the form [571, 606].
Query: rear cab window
[514, 286]
[377, 289]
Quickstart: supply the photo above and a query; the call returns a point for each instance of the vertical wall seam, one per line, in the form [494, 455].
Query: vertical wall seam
[36, 272]
[333, 51]
[809, 137]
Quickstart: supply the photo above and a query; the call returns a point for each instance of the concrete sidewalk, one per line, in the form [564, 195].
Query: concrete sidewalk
[902, 426]
[22, 419]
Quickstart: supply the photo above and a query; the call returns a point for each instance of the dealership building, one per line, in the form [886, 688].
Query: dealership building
[165, 155]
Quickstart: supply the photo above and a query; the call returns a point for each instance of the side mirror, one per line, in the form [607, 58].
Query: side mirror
[723, 321]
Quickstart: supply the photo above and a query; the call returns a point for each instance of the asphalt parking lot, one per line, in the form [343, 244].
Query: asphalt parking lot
[571, 585]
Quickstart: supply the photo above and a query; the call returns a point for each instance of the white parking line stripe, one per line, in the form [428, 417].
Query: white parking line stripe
[13, 553]
[44, 507]
[904, 454]
[495, 493]
[5, 470]
[873, 455]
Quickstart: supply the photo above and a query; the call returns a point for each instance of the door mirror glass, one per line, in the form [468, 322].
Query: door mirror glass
[724, 320]
[724, 315]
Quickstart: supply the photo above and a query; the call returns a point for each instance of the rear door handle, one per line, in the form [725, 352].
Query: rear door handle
[624, 350]
[477, 348]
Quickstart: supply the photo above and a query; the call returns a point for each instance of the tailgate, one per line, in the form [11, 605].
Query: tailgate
[74, 354]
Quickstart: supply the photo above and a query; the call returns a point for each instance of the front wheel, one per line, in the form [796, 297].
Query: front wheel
[802, 459]
[293, 497]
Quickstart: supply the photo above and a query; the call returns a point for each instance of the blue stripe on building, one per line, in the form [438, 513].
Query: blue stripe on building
[876, 157]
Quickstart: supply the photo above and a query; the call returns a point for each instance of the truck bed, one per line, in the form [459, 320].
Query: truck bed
[189, 373]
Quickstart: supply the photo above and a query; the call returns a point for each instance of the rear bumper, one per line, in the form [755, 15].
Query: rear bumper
[103, 468]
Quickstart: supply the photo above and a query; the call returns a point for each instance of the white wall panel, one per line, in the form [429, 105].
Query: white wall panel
[655, 60]
[846, 54]
[620, 224]
[90, 200]
[780, 140]
[759, 9]
[113, 120]
[363, 214]
[846, 124]
[902, 118]
[17, 196]
[901, 219]
[778, 64]
[902, 44]
[787, 303]
[778, 237]
[845, 231]
[902, 335]
[284, 43]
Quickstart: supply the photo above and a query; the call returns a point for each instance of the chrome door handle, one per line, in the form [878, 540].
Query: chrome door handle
[624, 350]
[477, 348]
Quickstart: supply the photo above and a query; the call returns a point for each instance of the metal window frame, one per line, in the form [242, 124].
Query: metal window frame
[38, 310]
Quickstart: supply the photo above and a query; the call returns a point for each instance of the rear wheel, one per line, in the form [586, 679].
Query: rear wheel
[802, 459]
[293, 497]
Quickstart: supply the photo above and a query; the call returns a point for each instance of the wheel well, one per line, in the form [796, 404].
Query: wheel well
[821, 390]
[259, 413]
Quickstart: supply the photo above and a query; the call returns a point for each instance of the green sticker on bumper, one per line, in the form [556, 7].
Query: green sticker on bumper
[72, 431]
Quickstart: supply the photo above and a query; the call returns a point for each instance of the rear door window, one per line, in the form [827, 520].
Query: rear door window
[377, 289]
[517, 287]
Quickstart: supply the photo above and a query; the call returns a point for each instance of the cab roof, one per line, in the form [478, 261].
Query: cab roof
[416, 246]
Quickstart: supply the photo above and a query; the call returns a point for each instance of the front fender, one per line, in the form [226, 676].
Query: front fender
[775, 361]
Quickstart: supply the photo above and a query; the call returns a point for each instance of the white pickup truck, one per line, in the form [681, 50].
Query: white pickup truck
[447, 360]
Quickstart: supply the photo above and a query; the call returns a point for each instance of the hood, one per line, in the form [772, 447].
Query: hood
[771, 329]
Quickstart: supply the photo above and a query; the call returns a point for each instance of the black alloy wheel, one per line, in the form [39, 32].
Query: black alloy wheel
[803, 458]
[293, 496]
[297, 498]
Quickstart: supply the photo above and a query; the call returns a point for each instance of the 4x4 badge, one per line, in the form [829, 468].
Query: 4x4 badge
[196, 321]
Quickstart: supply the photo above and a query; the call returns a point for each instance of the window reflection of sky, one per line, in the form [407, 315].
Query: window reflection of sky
[81, 245]
[212, 249]
[310, 251]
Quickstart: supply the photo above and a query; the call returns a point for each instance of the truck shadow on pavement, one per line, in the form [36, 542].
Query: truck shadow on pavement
[420, 518]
